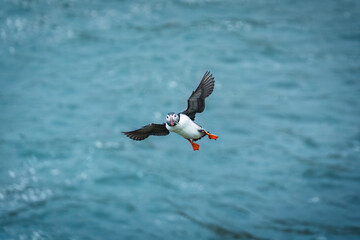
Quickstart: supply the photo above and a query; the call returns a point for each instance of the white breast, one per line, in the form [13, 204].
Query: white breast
[186, 128]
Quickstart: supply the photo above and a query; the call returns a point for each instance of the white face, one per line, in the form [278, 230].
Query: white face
[172, 119]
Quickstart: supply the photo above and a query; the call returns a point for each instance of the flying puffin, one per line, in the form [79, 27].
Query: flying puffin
[182, 123]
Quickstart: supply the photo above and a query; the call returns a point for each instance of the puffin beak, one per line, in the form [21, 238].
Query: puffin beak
[171, 121]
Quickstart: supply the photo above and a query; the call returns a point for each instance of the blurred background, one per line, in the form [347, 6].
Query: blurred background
[75, 74]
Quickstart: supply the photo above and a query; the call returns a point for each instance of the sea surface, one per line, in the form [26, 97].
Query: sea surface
[286, 107]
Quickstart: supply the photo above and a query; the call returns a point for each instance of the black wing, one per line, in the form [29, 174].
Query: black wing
[196, 102]
[144, 132]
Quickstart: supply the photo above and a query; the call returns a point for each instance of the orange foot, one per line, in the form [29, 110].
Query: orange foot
[194, 145]
[211, 136]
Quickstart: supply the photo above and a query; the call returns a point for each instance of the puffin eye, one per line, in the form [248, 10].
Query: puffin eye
[174, 115]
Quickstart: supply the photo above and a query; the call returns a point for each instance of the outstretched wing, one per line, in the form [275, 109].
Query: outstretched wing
[196, 102]
[144, 132]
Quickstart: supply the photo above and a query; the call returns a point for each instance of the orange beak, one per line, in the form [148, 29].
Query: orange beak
[171, 121]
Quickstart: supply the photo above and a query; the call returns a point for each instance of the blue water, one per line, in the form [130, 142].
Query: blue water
[75, 74]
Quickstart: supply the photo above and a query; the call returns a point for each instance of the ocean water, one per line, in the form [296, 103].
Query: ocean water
[75, 74]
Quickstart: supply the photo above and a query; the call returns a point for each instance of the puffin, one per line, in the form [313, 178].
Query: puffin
[182, 123]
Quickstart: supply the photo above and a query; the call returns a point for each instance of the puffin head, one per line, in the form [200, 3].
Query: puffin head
[172, 119]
